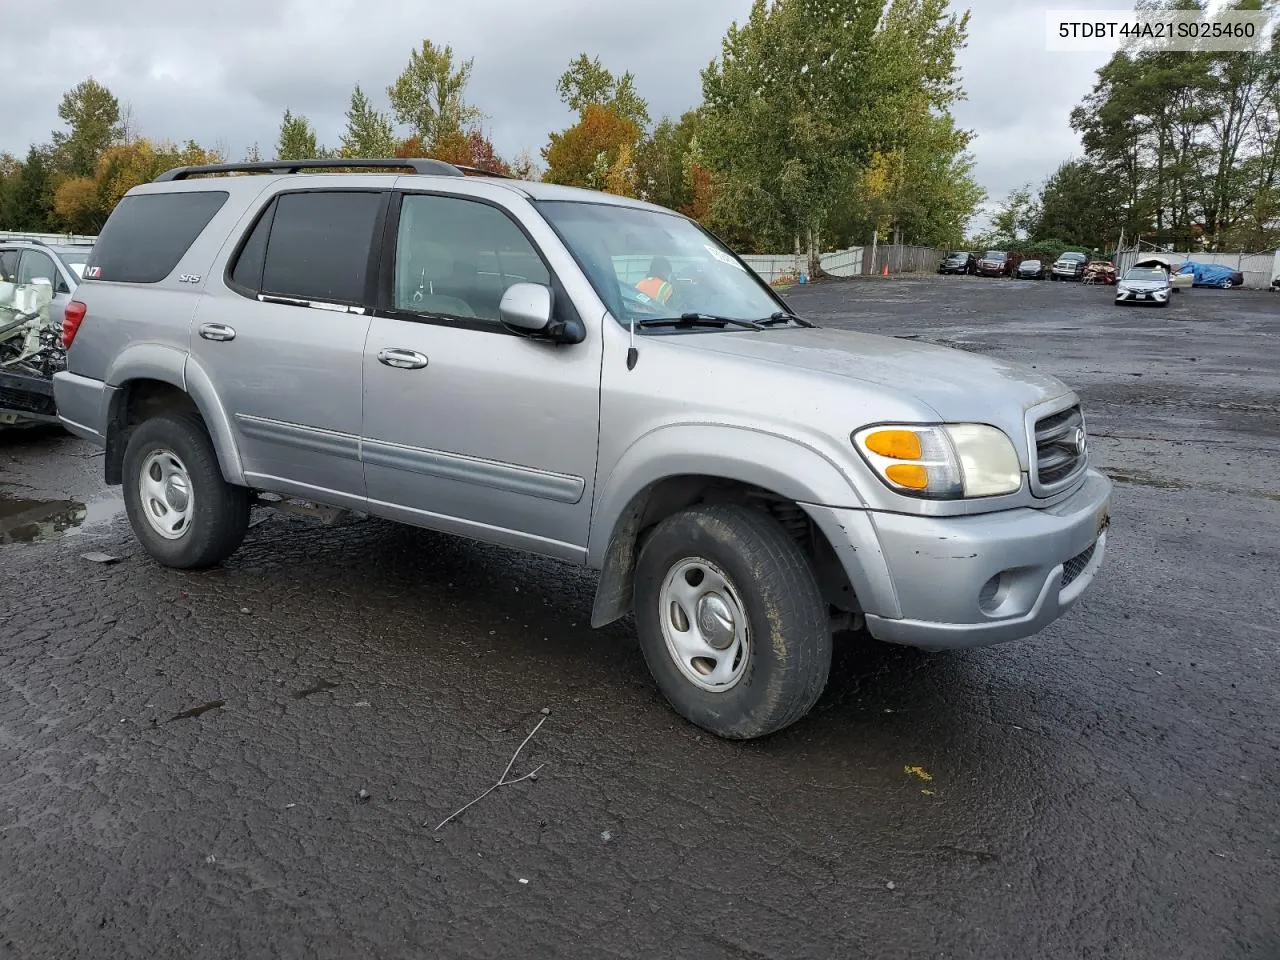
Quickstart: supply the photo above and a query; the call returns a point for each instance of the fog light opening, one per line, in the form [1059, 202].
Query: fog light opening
[994, 592]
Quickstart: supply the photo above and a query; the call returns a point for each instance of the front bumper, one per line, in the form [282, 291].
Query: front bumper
[1143, 296]
[942, 583]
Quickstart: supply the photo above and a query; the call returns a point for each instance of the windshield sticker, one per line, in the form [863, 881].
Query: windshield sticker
[722, 256]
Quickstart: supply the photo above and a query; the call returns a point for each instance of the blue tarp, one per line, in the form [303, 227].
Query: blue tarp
[1208, 274]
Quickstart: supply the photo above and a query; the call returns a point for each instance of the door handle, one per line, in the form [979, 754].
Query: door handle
[217, 331]
[403, 359]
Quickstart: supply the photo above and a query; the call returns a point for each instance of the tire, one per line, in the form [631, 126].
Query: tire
[780, 652]
[209, 523]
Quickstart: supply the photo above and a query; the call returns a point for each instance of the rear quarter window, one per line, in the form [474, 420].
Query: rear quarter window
[148, 233]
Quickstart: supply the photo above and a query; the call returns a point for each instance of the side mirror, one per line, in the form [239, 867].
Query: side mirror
[527, 307]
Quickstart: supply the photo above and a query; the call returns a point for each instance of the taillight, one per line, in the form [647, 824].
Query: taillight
[71, 321]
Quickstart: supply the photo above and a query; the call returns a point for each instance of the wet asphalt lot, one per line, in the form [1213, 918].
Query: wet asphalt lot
[182, 757]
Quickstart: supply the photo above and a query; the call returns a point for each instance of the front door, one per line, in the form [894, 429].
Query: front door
[38, 265]
[468, 427]
[283, 340]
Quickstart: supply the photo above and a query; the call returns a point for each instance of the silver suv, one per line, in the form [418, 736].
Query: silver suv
[586, 377]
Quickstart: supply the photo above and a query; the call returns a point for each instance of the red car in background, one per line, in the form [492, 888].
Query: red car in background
[994, 263]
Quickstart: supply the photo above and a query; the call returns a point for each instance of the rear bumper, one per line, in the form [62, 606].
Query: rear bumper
[81, 405]
[955, 582]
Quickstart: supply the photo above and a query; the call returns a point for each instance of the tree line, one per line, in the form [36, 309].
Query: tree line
[1180, 149]
[819, 125]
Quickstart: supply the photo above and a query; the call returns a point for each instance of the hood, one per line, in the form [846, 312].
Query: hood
[954, 384]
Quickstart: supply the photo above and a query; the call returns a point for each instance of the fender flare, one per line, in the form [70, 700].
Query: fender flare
[785, 466]
[154, 361]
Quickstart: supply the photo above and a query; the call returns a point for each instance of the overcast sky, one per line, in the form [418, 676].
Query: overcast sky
[223, 73]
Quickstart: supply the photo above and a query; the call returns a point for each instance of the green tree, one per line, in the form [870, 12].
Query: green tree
[428, 97]
[662, 162]
[92, 114]
[787, 115]
[1076, 206]
[31, 203]
[369, 133]
[588, 82]
[1187, 142]
[297, 140]
[921, 166]
[1016, 215]
[10, 177]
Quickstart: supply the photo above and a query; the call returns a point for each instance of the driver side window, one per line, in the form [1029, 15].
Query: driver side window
[457, 257]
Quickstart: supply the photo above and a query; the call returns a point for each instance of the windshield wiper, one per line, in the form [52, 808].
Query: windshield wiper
[782, 317]
[697, 320]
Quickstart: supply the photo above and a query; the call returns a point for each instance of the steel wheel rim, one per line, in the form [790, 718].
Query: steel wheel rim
[704, 625]
[165, 494]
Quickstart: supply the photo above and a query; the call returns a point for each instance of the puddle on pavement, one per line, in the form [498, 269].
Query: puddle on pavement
[24, 520]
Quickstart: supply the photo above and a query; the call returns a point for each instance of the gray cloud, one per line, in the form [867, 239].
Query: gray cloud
[224, 73]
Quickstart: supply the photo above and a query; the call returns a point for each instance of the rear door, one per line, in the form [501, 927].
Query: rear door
[282, 340]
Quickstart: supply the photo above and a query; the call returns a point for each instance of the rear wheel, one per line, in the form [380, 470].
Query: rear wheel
[181, 509]
[731, 621]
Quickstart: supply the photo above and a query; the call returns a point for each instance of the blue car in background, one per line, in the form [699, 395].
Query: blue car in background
[1212, 275]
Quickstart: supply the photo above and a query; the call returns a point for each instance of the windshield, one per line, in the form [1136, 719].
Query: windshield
[645, 264]
[1146, 273]
[1073, 256]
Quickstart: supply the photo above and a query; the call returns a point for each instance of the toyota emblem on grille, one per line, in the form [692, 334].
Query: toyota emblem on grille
[1081, 443]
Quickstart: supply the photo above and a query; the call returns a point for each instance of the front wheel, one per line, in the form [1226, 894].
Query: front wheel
[731, 621]
[181, 509]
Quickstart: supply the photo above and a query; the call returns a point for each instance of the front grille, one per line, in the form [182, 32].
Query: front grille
[1072, 569]
[1061, 447]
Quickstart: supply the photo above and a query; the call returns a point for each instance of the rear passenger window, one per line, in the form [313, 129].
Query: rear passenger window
[8, 265]
[319, 246]
[247, 274]
[148, 233]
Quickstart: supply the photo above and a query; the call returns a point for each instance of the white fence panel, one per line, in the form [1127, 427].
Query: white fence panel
[50, 238]
[1258, 268]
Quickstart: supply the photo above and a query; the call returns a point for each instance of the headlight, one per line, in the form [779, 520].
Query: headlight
[1121, 288]
[943, 462]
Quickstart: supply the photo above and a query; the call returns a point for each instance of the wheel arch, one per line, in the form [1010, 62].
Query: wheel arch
[157, 381]
[681, 467]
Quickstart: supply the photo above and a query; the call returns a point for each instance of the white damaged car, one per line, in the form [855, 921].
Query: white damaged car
[1149, 285]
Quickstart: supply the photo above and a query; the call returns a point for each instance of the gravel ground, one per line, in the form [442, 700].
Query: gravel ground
[252, 761]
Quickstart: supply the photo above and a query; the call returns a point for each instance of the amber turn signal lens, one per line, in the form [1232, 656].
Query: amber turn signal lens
[898, 444]
[909, 475]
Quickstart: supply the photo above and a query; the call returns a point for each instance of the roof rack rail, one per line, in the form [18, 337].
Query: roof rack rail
[19, 238]
[481, 172]
[419, 165]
